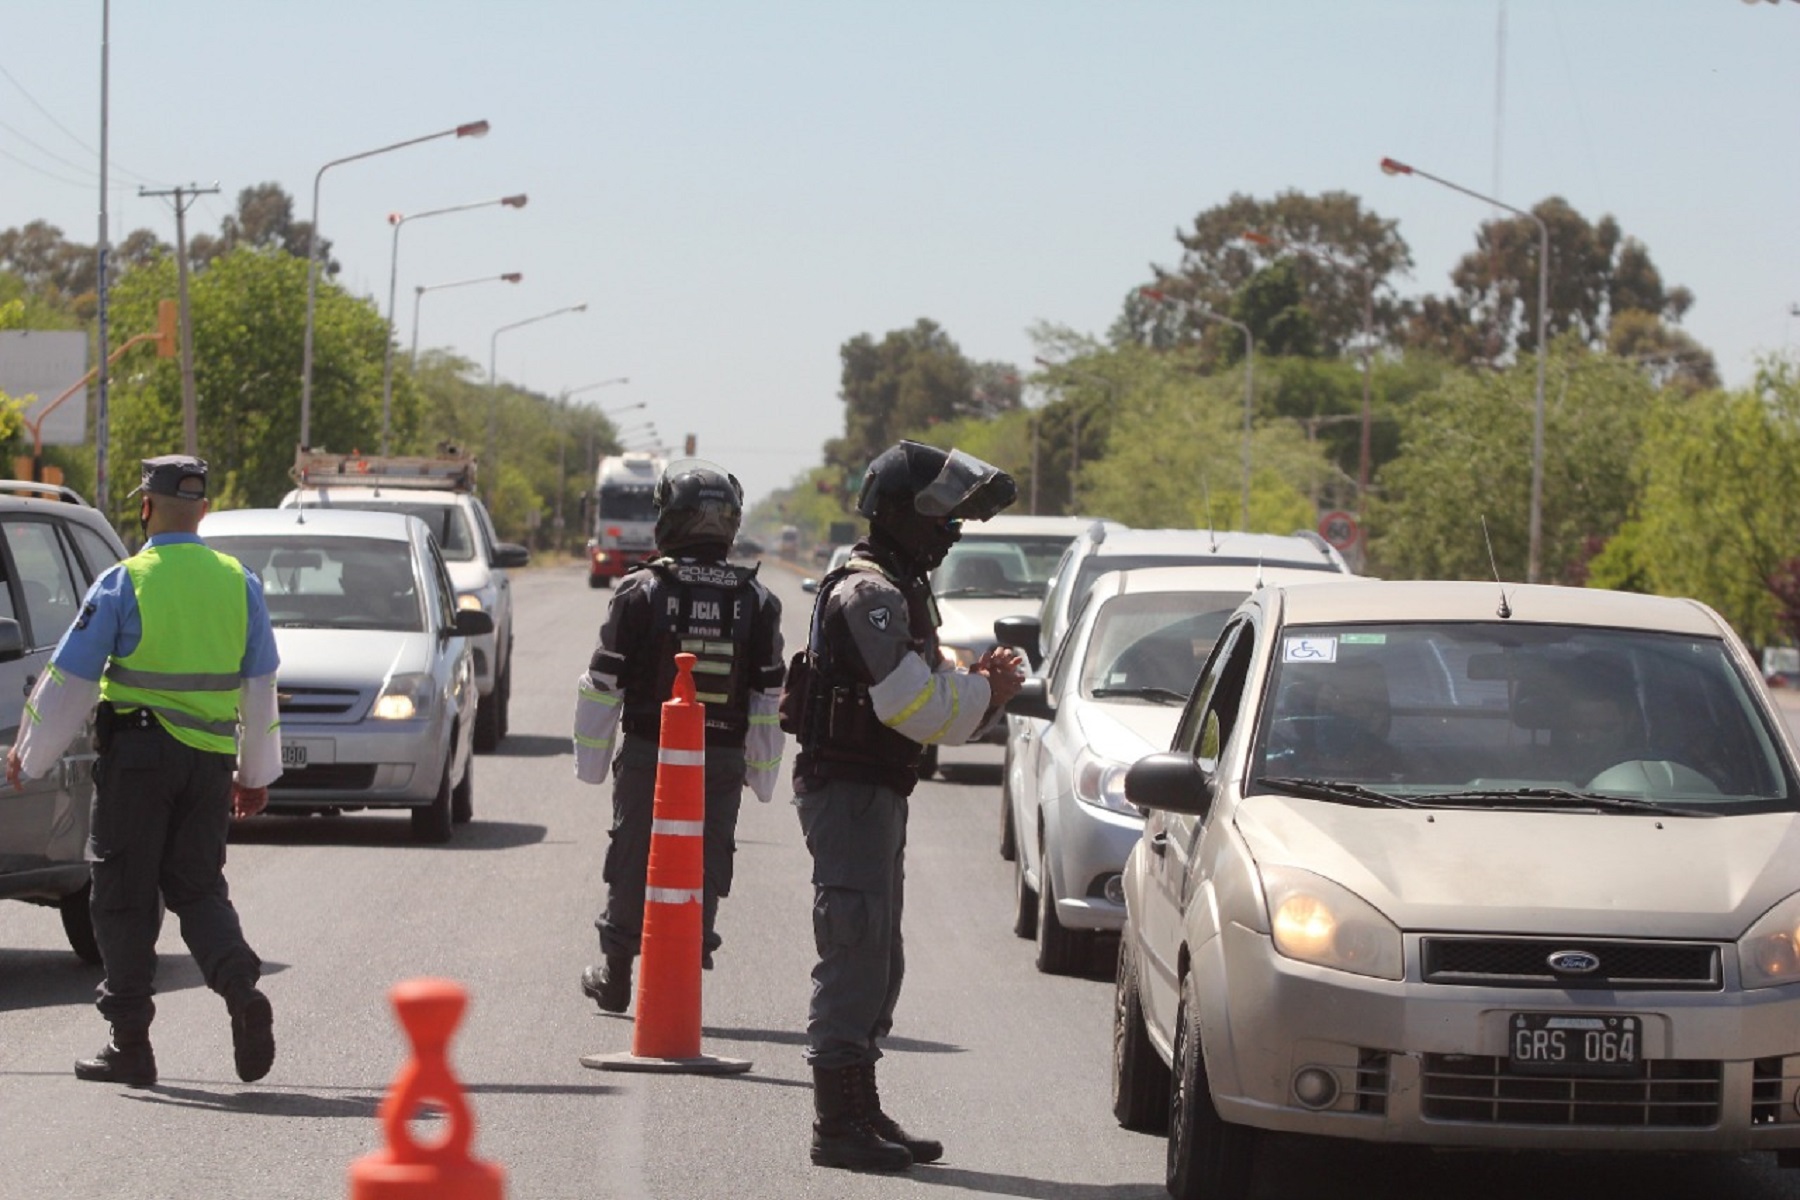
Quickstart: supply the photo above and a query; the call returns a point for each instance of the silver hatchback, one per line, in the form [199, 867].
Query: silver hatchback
[377, 682]
[1458, 864]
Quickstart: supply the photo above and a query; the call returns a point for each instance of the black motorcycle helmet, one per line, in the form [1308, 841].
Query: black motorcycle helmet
[698, 508]
[917, 496]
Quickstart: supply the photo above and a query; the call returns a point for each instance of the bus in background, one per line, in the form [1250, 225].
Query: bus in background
[624, 526]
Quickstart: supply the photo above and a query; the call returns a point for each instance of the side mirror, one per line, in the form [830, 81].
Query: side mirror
[1032, 701]
[12, 640]
[809, 585]
[1171, 781]
[471, 622]
[510, 554]
[1021, 633]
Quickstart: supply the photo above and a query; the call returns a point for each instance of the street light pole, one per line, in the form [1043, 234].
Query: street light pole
[1249, 384]
[1534, 555]
[1367, 277]
[493, 447]
[398, 220]
[471, 129]
[419, 294]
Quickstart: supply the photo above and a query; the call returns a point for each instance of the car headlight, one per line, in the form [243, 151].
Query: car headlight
[470, 602]
[1314, 920]
[1100, 782]
[402, 698]
[960, 656]
[1769, 951]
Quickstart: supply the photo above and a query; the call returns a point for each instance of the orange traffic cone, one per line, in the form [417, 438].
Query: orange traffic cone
[429, 1011]
[665, 1034]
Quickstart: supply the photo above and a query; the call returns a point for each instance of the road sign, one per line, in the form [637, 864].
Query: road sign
[1340, 529]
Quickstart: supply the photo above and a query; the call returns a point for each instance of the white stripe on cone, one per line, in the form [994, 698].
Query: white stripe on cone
[681, 758]
[679, 828]
[672, 895]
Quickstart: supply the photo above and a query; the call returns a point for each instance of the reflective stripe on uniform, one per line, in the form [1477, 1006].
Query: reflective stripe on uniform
[769, 719]
[611, 698]
[918, 702]
[955, 705]
[189, 721]
[679, 828]
[763, 764]
[658, 895]
[593, 743]
[681, 758]
[173, 681]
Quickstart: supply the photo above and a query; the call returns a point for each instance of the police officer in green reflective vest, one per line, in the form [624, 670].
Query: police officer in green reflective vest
[176, 645]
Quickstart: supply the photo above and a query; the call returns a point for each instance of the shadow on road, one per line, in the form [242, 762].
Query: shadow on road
[986, 1183]
[380, 829]
[303, 1102]
[797, 1037]
[536, 745]
[51, 978]
[979, 773]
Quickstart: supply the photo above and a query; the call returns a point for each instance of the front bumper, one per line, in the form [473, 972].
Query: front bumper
[397, 765]
[1087, 846]
[1428, 1063]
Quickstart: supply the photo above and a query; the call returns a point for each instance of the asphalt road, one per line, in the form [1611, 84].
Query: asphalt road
[1007, 1066]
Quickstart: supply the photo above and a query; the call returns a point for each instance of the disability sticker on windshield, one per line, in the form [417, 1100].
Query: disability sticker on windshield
[1309, 650]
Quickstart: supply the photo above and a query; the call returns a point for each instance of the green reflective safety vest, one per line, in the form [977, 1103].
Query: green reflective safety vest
[187, 668]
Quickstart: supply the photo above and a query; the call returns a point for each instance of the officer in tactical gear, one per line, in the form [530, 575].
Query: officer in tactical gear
[175, 644]
[688, 599]
[869, 693]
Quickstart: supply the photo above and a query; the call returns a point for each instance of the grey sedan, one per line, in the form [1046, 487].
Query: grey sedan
[377, 682]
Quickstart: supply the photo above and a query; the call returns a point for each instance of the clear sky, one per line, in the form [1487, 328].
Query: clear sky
[737, 188]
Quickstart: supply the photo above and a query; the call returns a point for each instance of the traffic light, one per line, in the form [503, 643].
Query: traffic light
[165, 329]
[690, 446]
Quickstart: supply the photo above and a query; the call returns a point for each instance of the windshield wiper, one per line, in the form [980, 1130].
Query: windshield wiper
[1162, 694]
[981, 593]
[1553, 797]
[1330, 789]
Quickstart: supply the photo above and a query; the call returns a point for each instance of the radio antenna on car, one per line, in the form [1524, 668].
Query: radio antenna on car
[1505, 609]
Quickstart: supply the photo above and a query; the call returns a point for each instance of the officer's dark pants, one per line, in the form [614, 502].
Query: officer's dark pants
[628, 856]
[857, 835]
[162, 811]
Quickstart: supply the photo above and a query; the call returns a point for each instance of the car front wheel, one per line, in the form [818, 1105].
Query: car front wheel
[462, 798]
[1059, 949]
[1024, 901]
[431, 823]
[1140, 1078]
[1009, 842]
[1209, 1158]
[78, 924]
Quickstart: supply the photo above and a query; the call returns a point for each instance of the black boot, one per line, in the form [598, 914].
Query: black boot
[252, 1031]
[842, 1136]
[923, 1150]
[609, 986]
[127, 1058]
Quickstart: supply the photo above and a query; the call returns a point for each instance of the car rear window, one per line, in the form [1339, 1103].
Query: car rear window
[447, 522]
[332, 583]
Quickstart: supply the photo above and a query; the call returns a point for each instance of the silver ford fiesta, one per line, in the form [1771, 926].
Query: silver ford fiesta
[1460, 864]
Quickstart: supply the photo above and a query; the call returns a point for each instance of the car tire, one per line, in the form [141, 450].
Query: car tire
[1140, 1078]
[596, 581]
[462, 798]
[1009, 841]
[928, 762]
[1024, 901]
[78, 924]
[487, 721]
[431, 823]
[1209, 1158]
[1059, 950]
[503, 688]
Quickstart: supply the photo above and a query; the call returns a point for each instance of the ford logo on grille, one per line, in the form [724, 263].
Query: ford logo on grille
[1574, 962]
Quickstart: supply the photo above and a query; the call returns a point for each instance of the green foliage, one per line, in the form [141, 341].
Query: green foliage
[909, 381]
[1466, 455]
[248, 313]
[1721, 498]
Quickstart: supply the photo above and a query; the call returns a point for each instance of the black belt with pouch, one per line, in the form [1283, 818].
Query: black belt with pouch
[110, 721]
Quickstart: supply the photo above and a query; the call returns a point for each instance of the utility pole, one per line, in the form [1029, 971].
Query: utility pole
[190, 420]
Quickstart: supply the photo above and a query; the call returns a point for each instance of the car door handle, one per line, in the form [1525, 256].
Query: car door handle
[1159, 843]
[30, 682]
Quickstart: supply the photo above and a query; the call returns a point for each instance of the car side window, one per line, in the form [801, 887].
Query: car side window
[44, 579]
[1062, 664]
[443, 590]
[1201, 731]
[489, 539]
[97, 553]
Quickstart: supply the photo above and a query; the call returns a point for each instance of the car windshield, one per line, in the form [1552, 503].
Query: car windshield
[1095, 565]
[447, 522]
[627, 502]
[992, 566]
[332, 583]
[1151, 646]
[1520, 716]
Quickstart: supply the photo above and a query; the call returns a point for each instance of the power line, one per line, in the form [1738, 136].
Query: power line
[45, 150]
[10, 78]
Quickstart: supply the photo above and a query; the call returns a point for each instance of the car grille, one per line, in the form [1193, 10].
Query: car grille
[1371, 1081]
[1524, 963]
[1672, 1093]
[334, 777]
[301, 702]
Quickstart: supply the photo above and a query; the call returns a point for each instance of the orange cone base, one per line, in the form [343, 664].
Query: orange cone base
[377, 1178]
[704, 1064]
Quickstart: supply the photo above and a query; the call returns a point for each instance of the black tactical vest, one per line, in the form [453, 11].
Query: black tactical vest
[709, 610]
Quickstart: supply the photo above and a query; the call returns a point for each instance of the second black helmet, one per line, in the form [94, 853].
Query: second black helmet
[698, 506]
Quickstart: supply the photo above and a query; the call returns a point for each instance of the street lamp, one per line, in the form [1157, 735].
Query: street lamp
[1367, 276]
[494, 387]
[397, 220]
[419, 294]
[588, 387]
[1393, 167]
[472, 129]
[1249, 382]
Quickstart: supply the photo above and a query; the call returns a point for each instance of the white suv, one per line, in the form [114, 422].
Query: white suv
[439, 491]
